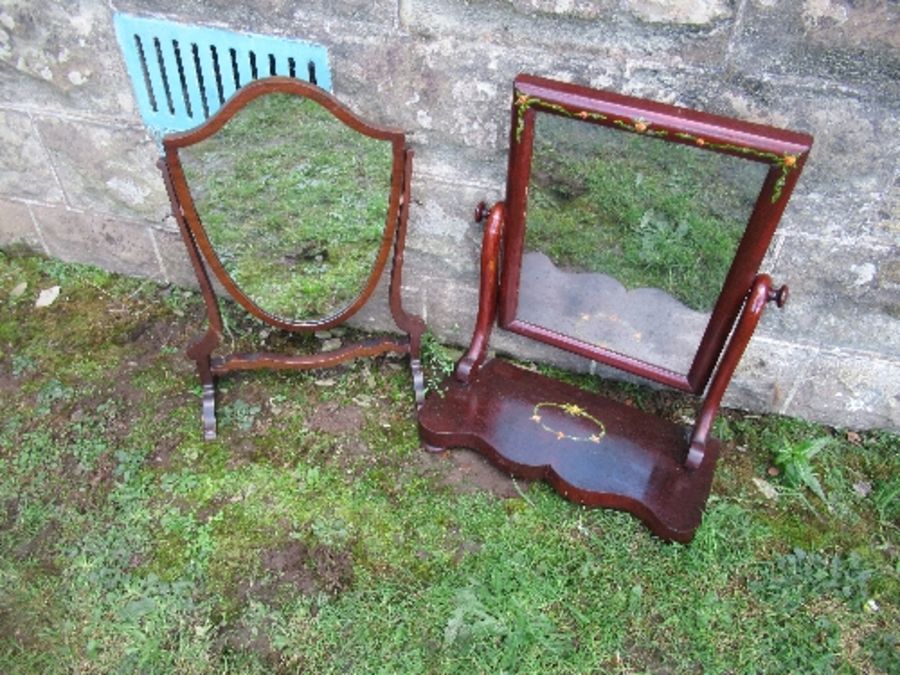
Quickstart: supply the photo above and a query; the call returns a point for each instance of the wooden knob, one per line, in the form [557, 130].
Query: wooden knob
[780, 296]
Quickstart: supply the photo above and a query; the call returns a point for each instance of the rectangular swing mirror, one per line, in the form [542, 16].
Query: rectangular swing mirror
[631, 233]
[635, 228]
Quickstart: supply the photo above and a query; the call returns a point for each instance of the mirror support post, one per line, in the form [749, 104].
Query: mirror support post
[469, 364]
[413, 325]
[201, 349]
[761, 293]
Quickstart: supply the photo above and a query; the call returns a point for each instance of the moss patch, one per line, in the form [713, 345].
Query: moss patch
[314, 535]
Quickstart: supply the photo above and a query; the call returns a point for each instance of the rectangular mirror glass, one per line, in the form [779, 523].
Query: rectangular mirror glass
[629, 239]
[635, 229]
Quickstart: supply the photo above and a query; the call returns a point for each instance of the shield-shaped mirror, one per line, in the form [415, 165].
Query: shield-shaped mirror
[293, 203]
[635, 228]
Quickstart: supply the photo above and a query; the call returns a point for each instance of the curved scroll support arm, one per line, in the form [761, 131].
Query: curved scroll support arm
[761, 293]
[413, 325]
[209, 296]
[471, 361]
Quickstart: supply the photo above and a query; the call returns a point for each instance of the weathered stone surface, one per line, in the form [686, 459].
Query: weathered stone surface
[429, 88]
[259, 17]
[108, 242]
[679, 11]
[106, 169]
[853, 158]
[855, 44]
[852, 162]
[16, 226]
[578, 9]
[24, 165]
[847, 389]
[842, 296]
[451, 91]
[883, 229]
[443, 226]
[561, 29]
[62, 56]
[176, 266]
[768, 374]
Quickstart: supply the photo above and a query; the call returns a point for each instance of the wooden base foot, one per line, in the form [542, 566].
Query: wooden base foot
[209, 412]
[591, 449]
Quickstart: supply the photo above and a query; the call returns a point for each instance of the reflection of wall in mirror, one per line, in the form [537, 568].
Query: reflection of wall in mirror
[646, 323]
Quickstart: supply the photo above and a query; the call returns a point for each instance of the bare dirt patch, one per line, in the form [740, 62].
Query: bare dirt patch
[161, 457]
[86, 489]
[466, 472]
[309, 569]
[8, 383]
[40, 546]
[335, 418]
[10, 514]
[242, 636]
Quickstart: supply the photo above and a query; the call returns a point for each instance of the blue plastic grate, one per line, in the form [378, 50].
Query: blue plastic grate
[182, 74]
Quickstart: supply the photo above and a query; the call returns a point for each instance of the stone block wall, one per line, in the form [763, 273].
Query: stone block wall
[78, 178]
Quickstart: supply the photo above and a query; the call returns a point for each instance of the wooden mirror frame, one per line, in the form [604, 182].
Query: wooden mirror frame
[594, 450]
[203, 256]
[783, 151]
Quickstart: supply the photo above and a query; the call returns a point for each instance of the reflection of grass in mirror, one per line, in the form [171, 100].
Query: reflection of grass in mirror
[646, 212]
[294, 203]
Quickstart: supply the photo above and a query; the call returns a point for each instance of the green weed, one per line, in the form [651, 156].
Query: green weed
[437, 360]
[795, 462]
[799, 576]
[127, 543]
[240, 414]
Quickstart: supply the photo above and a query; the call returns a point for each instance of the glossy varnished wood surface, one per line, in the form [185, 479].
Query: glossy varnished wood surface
[180, 191]
[635, 465]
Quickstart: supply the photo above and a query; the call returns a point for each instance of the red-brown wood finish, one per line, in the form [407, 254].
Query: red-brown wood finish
[203, 256]
[487, 307]
[635, 466]
[285, 85]
[593, 450]
[760, 294]
[776, 147]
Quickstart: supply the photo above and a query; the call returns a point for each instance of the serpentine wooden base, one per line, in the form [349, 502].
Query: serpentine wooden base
[591, 449]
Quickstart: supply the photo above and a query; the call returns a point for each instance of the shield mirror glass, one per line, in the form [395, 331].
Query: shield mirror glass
[294, 204]
[628, 239]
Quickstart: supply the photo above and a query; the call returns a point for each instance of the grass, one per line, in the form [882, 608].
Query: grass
[315, 536]
[294, 203]
[647, 212]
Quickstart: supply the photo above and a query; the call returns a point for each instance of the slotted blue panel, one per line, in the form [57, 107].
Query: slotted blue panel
[182, 74]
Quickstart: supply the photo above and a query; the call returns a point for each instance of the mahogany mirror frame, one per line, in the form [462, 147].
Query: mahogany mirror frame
[593, 449]
[783, 151]
[203, 255]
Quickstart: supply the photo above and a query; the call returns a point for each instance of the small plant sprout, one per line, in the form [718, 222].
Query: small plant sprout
[794, 461]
